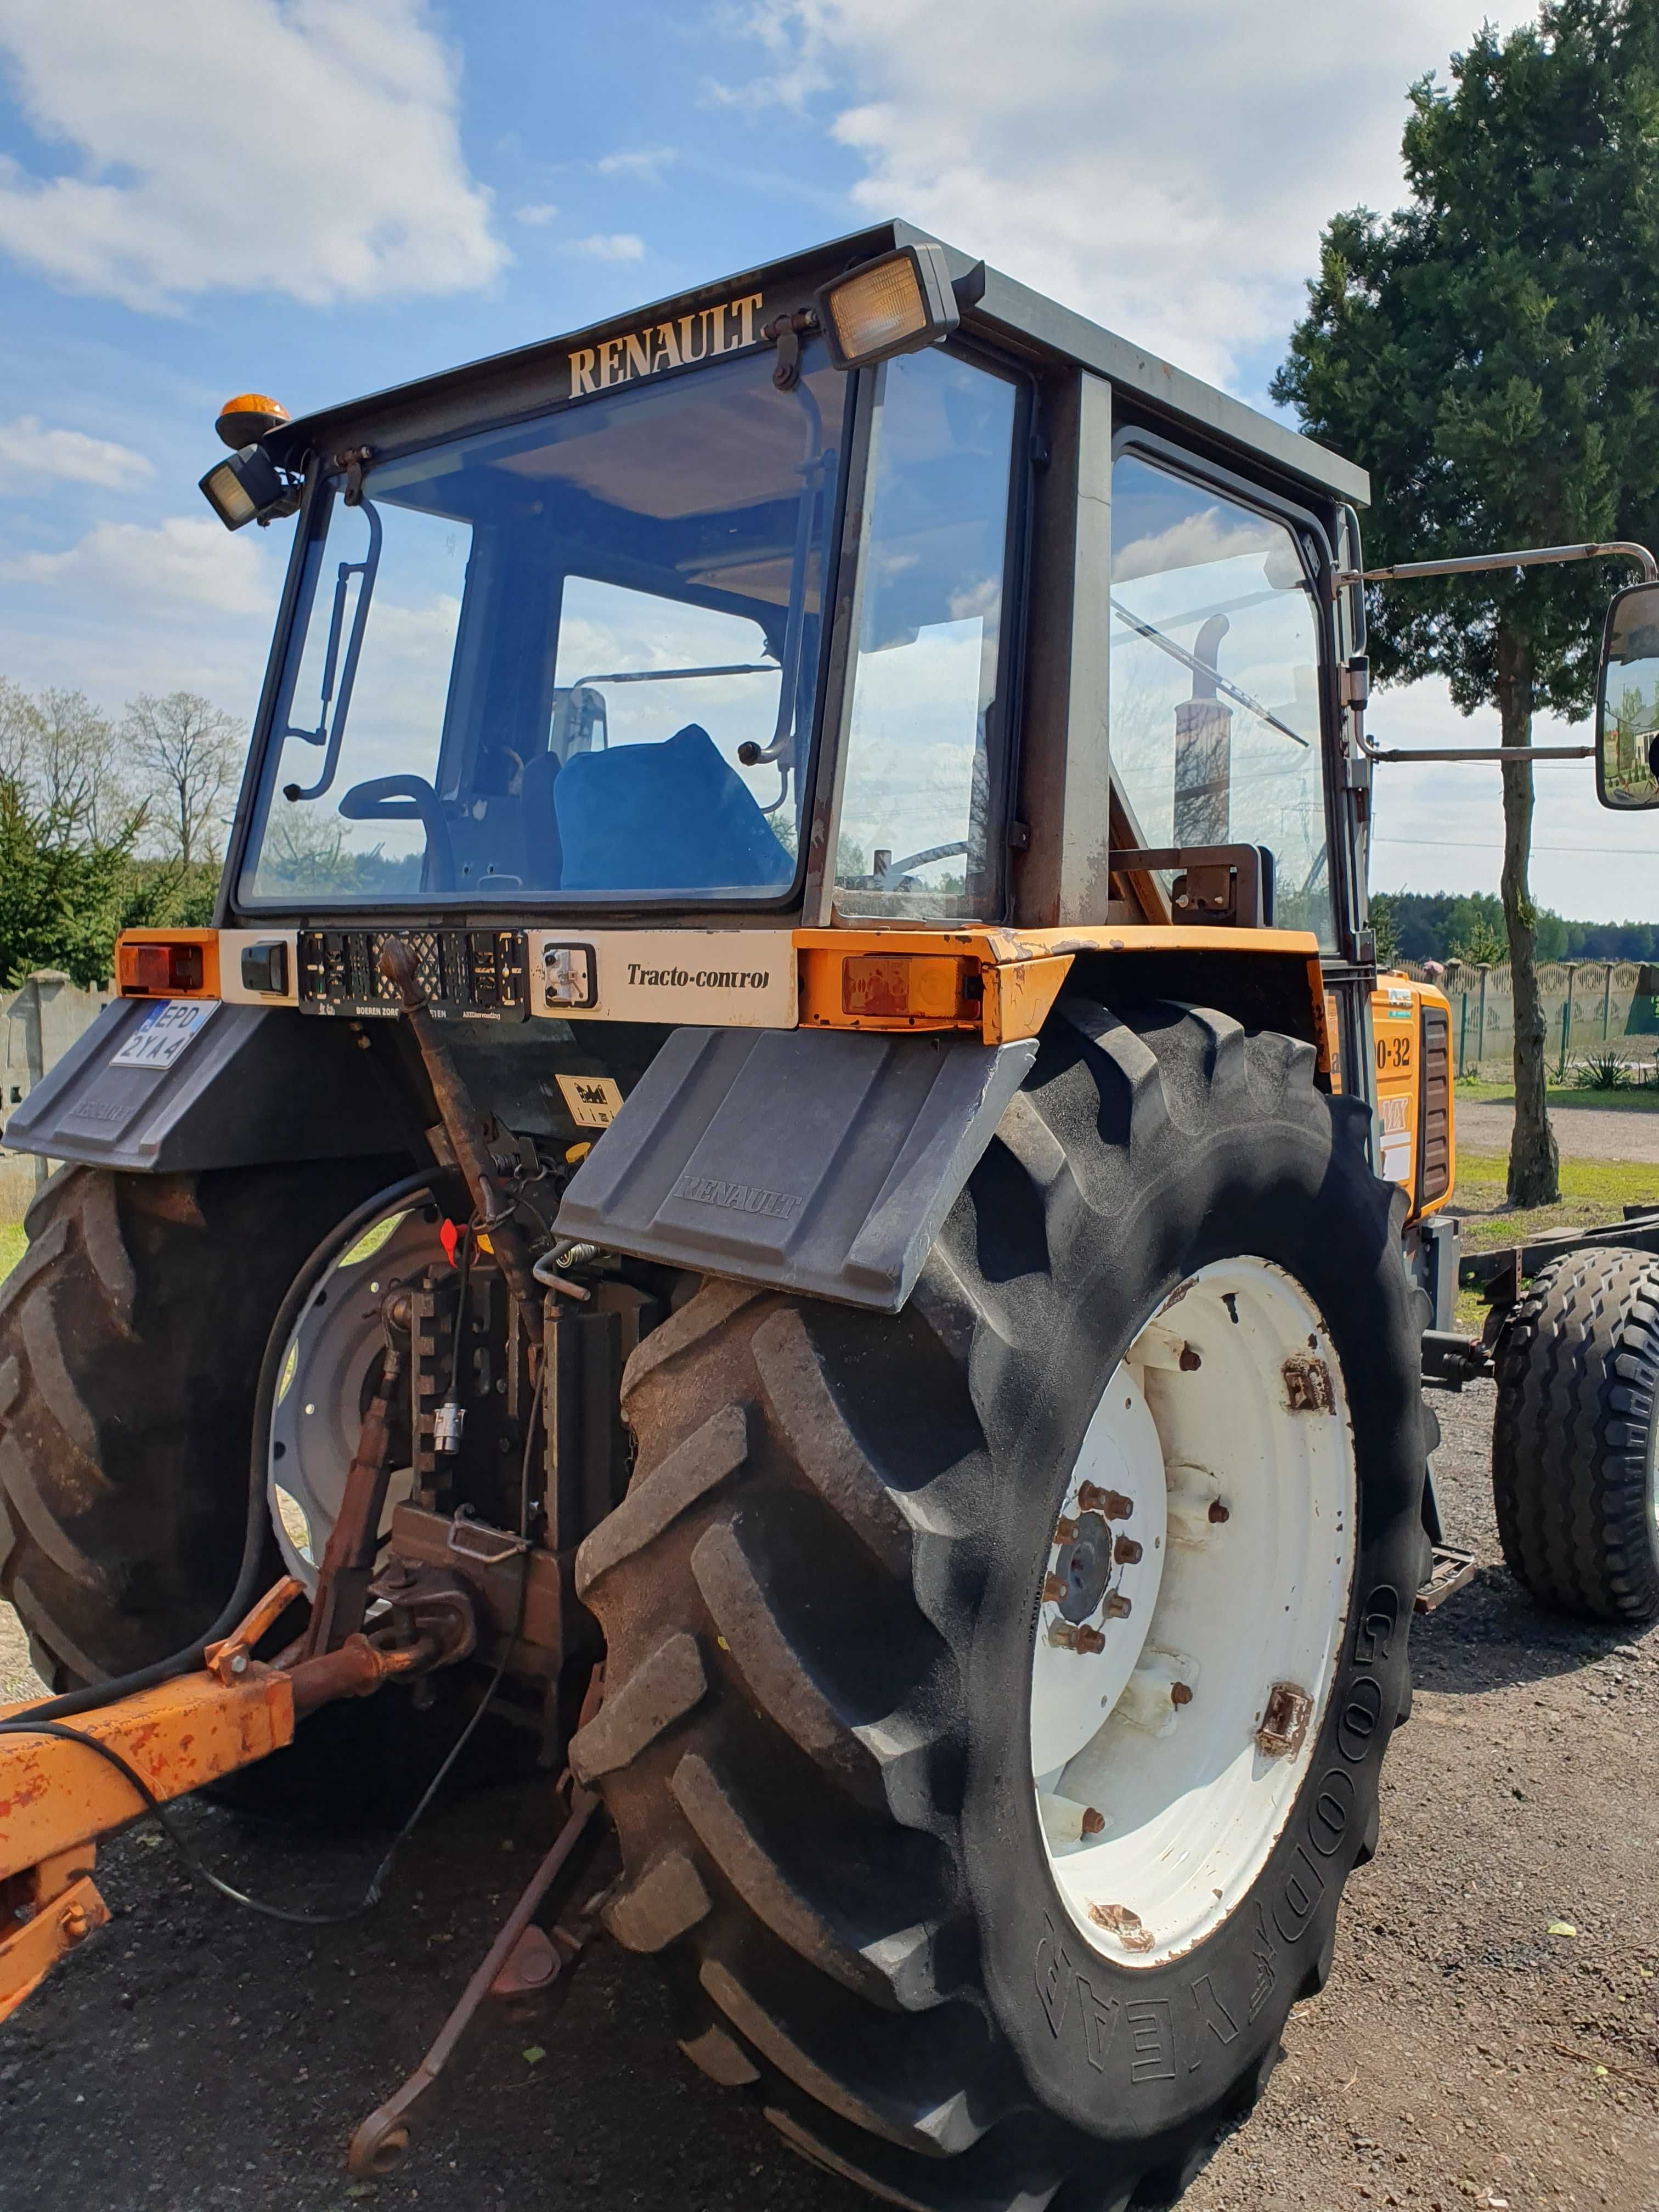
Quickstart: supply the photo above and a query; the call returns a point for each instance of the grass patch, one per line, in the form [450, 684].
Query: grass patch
[1643, 1099]
[1592, 1192]
[11, 1246]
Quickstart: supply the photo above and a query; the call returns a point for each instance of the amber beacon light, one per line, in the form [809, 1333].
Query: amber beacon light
[249, 487]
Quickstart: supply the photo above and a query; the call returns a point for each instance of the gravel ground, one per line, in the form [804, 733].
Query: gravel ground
[194, 2059]
[1583, 1133]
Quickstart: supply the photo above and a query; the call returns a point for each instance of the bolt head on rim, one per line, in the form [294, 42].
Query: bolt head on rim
[1193, 1606]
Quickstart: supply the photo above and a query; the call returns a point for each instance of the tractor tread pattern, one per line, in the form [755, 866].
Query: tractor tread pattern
[822, 1573]
[127, 1332]
[1577, 1376]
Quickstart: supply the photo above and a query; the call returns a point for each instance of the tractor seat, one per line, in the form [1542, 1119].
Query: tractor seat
[664, 818]
[543, 855]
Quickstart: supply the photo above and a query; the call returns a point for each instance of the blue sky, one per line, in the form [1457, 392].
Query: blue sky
[315, 198]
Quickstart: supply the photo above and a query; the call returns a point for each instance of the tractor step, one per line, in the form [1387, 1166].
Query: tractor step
[1452, 1569]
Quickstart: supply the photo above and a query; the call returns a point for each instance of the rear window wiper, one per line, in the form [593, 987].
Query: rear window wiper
[331, 732]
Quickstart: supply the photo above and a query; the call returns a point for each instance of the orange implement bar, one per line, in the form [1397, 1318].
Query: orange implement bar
[57, 1915]
[55, 1795]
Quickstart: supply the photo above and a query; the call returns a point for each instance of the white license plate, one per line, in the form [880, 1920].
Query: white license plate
[164, 1032]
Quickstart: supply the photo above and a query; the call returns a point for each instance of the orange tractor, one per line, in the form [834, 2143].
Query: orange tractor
[786, 1168]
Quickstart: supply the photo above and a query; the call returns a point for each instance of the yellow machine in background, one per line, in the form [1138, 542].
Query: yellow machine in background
[1410, 1029]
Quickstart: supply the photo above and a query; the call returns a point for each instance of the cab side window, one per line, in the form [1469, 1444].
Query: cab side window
[1214, 687]
[921, 820]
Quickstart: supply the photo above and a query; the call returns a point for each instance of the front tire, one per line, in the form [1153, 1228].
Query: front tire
[823, 1601]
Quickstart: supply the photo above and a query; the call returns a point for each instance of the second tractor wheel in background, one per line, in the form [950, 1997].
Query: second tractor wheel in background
[1574, 1474]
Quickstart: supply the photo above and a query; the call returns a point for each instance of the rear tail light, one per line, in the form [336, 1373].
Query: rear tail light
[910, 986]
[163, 968]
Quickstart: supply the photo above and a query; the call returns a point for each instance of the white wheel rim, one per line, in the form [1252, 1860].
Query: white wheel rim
[317, 1419]
[1177, 1695]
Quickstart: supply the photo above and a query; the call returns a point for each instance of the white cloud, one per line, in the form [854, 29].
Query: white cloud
[305, 146]
[613, 245]
[795, 36]
[181, 561]
[542, 211]
[1165, 168]
[1191, 542]
[29, 452]
[648, 164]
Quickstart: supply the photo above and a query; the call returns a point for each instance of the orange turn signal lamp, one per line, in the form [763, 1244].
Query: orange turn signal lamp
[911, 986]
[167, 963]
[867, 986]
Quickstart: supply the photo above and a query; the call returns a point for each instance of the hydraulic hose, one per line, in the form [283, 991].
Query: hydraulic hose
[236, 1608]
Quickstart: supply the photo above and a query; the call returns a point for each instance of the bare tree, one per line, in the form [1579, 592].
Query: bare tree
[16, 725]
[65, 759]
[75, 766]
[188, 752]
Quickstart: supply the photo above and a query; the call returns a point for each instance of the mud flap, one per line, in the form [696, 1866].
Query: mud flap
[246, 1087]
[821, 1161]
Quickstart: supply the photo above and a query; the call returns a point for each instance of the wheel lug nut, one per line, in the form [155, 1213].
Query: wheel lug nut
[1111, 1503]
[1118, 1608]
[1094, 1824]
[1179, 1694]
[1066, 1636]
[1219, 1512]
[1055, 1588]
[1126, 1552]
[1065, 1531]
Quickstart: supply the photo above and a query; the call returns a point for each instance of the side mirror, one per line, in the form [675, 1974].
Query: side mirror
[1627, 702]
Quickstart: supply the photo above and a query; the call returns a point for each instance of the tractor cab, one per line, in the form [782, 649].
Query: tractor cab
[812, 597]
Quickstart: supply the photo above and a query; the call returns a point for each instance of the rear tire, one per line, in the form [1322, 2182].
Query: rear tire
[131, 1336]
[820, 1600]
[131, 1333]
[1575, 1434]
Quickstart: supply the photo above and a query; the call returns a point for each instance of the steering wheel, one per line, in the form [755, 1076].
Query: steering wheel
[891, 879]
[407, 799]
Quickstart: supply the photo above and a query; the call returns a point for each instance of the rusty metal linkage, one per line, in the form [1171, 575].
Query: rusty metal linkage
[460, 1119]
[341, 1598]
[59, 1795]
[382, 2140]
[522, 1959]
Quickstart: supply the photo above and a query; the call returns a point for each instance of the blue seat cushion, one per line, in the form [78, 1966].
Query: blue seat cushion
[674, 816]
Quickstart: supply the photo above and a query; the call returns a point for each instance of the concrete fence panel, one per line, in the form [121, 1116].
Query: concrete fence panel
[1590, 1007]
[39, 1023]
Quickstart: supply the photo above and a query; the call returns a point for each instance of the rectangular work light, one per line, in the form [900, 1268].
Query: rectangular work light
[246, 486]
[897, 304]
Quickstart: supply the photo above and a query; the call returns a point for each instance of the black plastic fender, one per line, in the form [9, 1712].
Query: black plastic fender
[253, 1086]
[811, 1160]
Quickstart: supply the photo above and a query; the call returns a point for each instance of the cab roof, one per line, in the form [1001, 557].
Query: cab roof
[531, 377]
